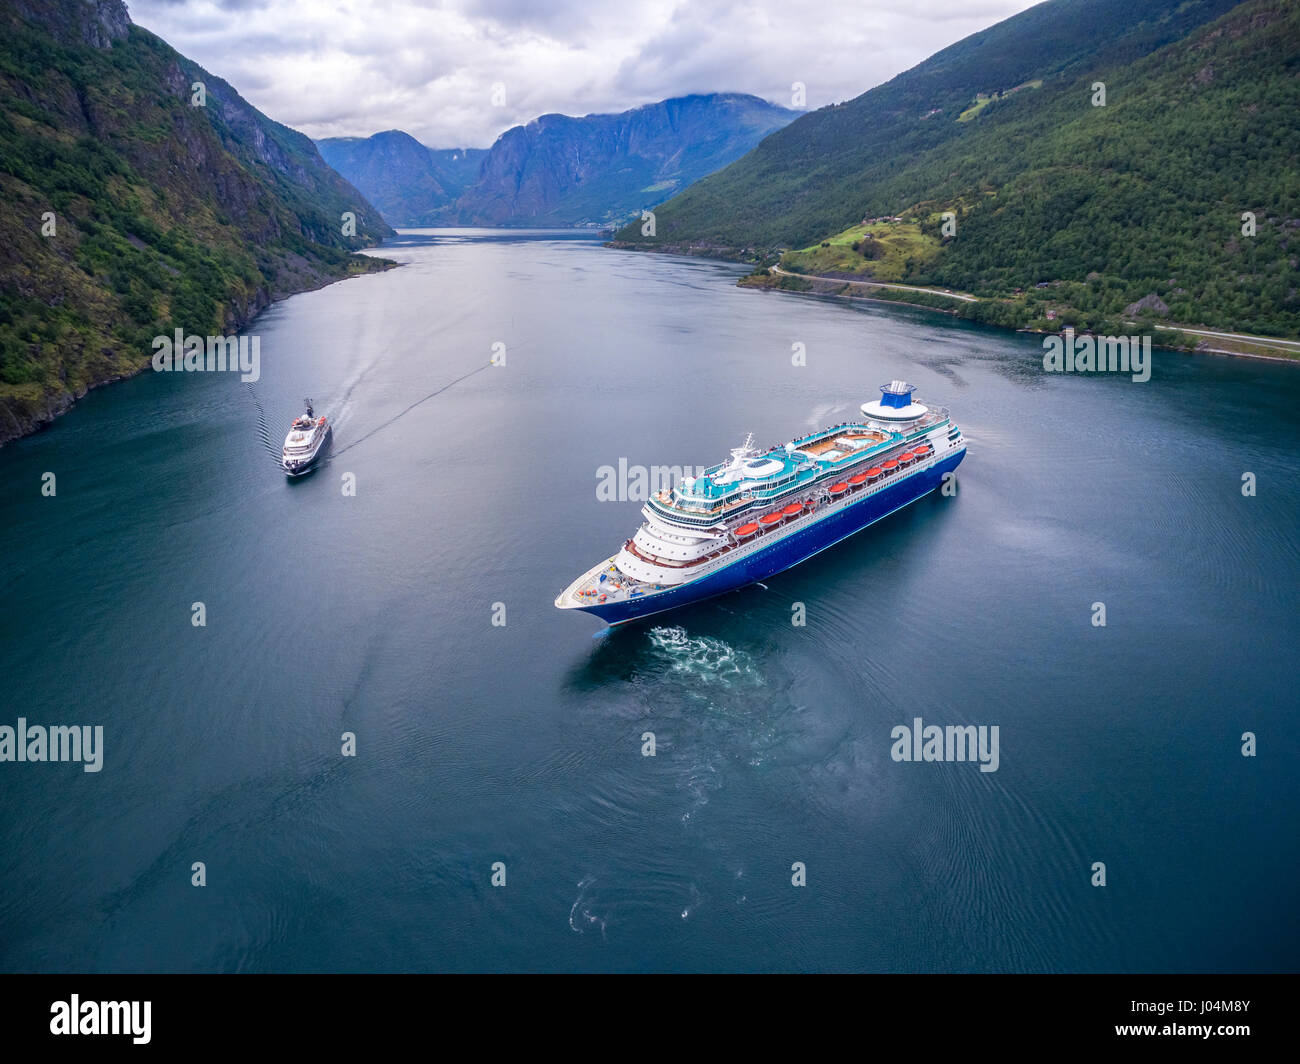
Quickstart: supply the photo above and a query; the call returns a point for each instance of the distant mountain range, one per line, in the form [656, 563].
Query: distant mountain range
[1083, 163]
[126, 211]
[557, 170]
[1117, 203]
[407, 182]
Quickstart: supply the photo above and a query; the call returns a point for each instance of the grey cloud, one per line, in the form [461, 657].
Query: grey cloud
[358, 66]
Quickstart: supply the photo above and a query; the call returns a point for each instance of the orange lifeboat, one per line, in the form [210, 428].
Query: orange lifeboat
[745, 531]
[874, 473]
[839, 489]
[921, 450]
[887, 466]
[858, 478]
[771, 519]
[792, 509]
[906, 458]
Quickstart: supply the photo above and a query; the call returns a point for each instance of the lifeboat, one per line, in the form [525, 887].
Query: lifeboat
[792, 509]
[771, 519]
[839, 489]
[906, 458]
[889, 466]
[745, 531]
[858, 479]
[921, 450]
[875, 473]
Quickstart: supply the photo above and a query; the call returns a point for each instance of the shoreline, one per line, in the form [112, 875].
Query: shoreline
[836, 286]
[840, 288]
[59, 404]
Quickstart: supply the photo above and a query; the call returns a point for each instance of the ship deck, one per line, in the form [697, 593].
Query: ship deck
[604, 579]
[818, 448]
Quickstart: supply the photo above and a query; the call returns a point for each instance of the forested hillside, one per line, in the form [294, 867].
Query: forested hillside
[1140, 197]
[127, 211]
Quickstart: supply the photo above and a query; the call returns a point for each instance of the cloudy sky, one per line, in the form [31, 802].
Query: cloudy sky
[457, 73]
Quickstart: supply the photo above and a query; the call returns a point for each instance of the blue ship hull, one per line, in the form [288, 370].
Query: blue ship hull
[785, 552]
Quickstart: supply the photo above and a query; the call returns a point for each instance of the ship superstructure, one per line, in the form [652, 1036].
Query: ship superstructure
[765, 510]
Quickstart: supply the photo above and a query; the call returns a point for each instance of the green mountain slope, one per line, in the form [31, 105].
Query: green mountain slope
[165, 215]
[1141, 196]
[824, 170]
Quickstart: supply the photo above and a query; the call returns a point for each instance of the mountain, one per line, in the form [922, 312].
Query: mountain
[1107, 204]
[457, 168]
[557, 170]
[830, 167]
[126, 211]
[408, 183]
[560, 171]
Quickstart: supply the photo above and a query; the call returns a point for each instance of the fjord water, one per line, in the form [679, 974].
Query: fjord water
[522, 744]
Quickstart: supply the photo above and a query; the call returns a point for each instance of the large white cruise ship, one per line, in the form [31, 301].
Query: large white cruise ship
[766, 510]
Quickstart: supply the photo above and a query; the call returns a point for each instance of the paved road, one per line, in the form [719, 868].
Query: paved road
[877, 284]
[1289, 345]
[1247, 337]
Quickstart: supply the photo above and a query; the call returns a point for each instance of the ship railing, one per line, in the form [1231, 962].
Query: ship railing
[823, 497]
[631, 548]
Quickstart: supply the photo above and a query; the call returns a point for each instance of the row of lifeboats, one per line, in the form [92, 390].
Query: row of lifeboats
[790, 510]
[836, 490]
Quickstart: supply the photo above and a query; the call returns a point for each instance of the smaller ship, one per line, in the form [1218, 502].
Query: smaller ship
[305, 443]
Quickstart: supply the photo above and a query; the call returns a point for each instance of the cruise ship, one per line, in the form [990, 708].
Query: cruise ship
[766, 510]
[305, 442]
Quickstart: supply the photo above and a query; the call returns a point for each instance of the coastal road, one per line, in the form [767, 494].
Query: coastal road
[1269, 341]
[878, 284]
[1283, 346]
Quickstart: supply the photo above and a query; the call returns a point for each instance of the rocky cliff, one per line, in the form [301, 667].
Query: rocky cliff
[138, 194]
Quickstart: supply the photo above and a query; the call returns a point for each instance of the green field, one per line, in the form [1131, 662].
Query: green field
[983, 99]
[889, 253]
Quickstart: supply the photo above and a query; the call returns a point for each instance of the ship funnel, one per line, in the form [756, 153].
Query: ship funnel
[897, 394]
[895, 404]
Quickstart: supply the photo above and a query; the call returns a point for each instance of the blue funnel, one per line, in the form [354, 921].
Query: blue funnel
[897, 394]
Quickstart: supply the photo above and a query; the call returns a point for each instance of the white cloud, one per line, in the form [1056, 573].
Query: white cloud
[359, 66]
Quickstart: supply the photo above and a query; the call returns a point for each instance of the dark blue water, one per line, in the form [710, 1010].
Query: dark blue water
[522, 744]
